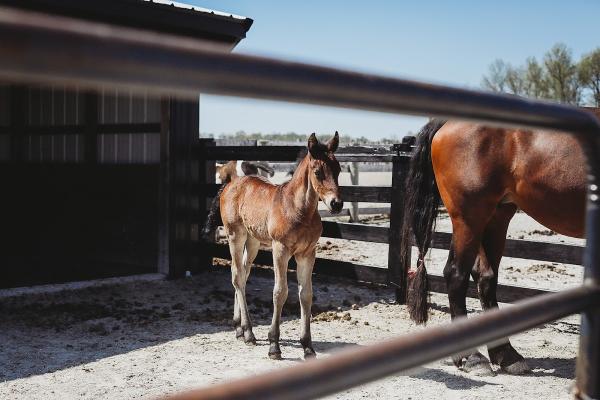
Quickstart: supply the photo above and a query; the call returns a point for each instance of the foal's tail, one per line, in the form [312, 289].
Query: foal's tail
[214, 216]
[421, 203]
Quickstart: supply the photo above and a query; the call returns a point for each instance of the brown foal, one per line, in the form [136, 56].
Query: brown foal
[255, 211]
[483, 175]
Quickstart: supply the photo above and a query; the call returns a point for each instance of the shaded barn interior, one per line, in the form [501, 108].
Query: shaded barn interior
[91, 179]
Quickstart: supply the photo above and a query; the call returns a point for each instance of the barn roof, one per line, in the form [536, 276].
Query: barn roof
[158, 15]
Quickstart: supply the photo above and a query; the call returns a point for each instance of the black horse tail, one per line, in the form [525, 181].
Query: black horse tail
[213, 218]
[421, 203]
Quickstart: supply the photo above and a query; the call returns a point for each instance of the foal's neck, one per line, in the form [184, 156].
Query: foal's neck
[304, 198]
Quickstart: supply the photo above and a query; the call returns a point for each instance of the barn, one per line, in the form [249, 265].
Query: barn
[94, 182]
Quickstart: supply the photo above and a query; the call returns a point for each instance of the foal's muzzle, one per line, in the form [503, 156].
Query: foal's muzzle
[335, 205]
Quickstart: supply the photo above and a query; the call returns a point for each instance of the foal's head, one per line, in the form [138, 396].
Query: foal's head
[324, 171]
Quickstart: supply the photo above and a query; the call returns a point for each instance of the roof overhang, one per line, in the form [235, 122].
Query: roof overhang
[156, 15]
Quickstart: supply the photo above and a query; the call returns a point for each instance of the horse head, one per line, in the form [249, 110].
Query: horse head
[324, 171]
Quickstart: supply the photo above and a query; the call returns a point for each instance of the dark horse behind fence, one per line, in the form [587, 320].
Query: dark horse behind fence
[483, 175]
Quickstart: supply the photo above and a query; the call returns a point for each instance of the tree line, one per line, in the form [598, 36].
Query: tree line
[556, 77]
[301, 138]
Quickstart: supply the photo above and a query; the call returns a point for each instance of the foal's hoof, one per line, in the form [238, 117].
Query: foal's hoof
[275, 355]
[249, 338]
[239, 333]
[517, 368]
[309, 353]
[477, 364]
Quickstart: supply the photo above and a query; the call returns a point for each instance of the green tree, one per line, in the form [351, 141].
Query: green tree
[561, 75]
[536, 84]
[589, 75]
[516, 80]
[496, 79]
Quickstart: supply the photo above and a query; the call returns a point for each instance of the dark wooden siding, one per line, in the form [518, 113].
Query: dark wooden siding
[4, 122]
[80, 185]
[57, 107]
[4, 105]
[66, 222]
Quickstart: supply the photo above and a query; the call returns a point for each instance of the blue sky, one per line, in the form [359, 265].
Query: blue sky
[449, 42]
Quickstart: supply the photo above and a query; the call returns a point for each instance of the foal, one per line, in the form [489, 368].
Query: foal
[255, 211]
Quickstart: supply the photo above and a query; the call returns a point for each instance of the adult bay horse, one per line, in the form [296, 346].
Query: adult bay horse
[255, 211]
[483, 175]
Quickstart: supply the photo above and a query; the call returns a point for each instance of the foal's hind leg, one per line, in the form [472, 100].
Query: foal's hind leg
[250, 252]
[237, 240]
[281, 257]
[305, 264]
[486, 276]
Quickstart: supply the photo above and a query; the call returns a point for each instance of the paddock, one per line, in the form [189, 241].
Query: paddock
[153, 337]
[288, 81]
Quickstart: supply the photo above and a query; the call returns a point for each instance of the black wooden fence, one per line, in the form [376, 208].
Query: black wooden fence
[395, 273]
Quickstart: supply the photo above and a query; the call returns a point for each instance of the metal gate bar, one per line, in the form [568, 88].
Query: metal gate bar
[41, 48]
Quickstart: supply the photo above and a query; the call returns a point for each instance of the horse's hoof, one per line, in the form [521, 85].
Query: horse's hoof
[275, 355]
[457, 361]
[509, 360]
[517, 368]
[250, 342]
[477, 364]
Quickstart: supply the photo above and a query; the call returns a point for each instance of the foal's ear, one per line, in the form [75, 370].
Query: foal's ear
[313, 145]
[333, 143]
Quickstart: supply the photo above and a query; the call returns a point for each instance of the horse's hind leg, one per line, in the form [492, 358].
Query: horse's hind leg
[250, 252]
[486, 276]
[281, 257]
[466, 239]
[305, 264]
[237, 240]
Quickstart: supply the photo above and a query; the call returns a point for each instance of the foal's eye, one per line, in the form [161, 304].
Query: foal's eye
[319, 173]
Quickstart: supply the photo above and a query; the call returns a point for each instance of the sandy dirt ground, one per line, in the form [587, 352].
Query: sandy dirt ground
[146, 337]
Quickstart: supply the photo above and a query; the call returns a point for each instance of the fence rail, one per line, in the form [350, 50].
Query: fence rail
[41, 48]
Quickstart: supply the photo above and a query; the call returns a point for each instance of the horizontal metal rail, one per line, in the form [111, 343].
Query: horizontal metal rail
[42, 48]
[364, 364]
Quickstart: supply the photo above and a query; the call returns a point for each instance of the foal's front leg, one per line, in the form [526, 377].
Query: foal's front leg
[281, 257]
[304, 269]
[305, 264]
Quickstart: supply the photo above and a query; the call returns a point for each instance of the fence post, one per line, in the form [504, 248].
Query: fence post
[354, 217]
[588, 359]
[179, 130]
[397, 266]
[206, 175]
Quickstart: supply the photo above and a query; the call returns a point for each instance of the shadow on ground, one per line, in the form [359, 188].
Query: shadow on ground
[452, 381]
[46, 332]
